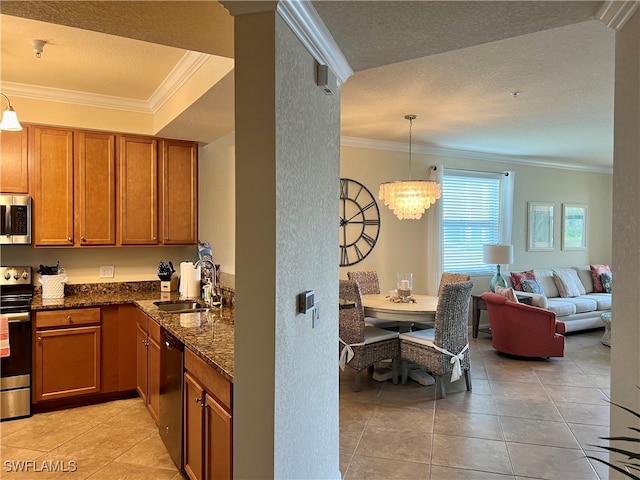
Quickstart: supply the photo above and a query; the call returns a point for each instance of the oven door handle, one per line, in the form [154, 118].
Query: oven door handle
[18, 317]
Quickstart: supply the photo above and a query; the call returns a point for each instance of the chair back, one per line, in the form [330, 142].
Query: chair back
[452, 316]
[351, 320]
[367, 279]
[452, 278]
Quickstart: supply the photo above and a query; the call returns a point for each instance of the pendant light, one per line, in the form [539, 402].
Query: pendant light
[9, 118]
[409, 198]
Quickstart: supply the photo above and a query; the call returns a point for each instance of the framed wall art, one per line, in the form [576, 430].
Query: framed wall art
[541, 226]
[574, 226]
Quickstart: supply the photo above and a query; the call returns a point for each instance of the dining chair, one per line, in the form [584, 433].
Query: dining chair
[370, 285]
[448, 277]
[363, 345]
[443, 349]
[445, 278]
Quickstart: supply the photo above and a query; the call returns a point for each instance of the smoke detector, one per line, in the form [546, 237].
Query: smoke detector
[38, 46]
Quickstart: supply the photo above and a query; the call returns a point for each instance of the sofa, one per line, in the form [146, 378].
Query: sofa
[580, 307]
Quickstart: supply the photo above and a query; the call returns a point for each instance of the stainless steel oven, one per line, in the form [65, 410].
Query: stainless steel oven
[16, 293]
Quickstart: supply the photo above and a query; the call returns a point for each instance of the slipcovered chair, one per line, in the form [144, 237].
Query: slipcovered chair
[362, 345]
[524, 330]
[443, 349]
[370, 285]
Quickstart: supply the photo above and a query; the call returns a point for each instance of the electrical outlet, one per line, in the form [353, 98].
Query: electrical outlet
[106, 271]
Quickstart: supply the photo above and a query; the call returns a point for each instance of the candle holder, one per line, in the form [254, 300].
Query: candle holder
[404, 286]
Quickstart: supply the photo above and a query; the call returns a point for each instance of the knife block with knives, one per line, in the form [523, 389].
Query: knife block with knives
[168, 277]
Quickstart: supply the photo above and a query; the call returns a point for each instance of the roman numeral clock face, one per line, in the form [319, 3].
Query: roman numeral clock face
[359, 222]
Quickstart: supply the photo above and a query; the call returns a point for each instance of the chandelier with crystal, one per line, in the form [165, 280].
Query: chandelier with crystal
[409, 198]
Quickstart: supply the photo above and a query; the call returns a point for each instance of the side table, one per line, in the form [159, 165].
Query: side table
[477, 304]
[606, 319]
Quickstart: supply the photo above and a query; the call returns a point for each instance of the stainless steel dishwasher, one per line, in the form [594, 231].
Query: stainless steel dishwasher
[171, 378]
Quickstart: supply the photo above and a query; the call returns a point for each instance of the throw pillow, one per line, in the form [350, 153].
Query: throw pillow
[507, 292]
[596, 271]
[518, 277]
[532, 286]
[605, 279]
[565, 283]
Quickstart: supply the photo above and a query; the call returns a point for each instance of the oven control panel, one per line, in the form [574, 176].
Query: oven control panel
[15, 275]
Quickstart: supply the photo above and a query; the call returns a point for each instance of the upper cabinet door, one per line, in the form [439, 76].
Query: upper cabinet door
[53, 186]
[138, 191]
[95, 201]
[179, 205]
[14, 175]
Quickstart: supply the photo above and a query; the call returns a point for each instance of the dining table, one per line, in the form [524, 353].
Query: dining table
[422, 309]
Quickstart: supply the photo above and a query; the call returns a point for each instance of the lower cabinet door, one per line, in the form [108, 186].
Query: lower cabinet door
[154, 379]
[218, 441]
[193, 428]
[67, 362]
[141, 364]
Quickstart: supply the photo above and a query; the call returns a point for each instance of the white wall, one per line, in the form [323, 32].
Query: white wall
[625, 328]
[402, 243]
[287, 178]
[216, 200]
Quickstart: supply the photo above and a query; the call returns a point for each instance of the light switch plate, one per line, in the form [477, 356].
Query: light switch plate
[106, 271]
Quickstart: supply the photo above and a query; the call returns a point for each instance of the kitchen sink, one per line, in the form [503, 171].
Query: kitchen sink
[180, 307]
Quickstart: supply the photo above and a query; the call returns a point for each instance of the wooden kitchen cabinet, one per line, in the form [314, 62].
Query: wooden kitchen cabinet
[52, 152]
[95, 188]
[208, 425]
[67, 353]
[179, 192]
[14, 162]
[118, 348]
[148, 363]
[138, 191]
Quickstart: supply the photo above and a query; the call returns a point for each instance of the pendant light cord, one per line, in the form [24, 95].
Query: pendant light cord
[411, 118]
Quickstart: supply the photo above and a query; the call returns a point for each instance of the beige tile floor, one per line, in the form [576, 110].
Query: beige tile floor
[524, 419]
[115, 440]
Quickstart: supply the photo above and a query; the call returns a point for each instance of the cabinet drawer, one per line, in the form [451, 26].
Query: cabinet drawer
[68, 318]
[212, 381]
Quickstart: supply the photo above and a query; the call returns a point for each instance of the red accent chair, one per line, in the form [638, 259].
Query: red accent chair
[524, 330]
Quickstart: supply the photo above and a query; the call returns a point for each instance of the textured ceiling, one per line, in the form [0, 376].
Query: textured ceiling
[454, 64]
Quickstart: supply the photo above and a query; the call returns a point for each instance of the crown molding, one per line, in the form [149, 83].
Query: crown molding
[181, 73]
[468, 154]
[307, 25]
[615, 14]
[184, 69]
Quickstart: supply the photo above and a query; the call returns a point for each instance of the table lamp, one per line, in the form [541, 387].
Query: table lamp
[498, 255]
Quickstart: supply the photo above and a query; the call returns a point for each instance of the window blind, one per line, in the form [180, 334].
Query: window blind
[471, 210]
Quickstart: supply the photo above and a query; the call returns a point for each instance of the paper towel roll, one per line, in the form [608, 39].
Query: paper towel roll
[189, 280]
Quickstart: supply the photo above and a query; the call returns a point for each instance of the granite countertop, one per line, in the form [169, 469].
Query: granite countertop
[208, 334]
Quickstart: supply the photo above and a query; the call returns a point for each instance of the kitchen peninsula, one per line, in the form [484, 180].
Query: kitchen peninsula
[104, 342]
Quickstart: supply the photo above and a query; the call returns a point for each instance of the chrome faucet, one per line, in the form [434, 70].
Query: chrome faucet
[212, 275]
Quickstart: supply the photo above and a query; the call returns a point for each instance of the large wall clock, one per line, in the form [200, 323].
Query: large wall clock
[359, 222]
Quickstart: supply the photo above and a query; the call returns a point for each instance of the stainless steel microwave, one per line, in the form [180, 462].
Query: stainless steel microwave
[15, 219]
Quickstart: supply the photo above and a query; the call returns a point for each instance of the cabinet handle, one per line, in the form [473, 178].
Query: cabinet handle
[70, 239]
[84, 239]
[39, 339]
[166, 237]
[69, 319]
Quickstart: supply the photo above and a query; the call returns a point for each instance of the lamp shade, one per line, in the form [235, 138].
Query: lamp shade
[498, 254]
[10, 121]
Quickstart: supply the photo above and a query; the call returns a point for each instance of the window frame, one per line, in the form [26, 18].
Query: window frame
[496, 224]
